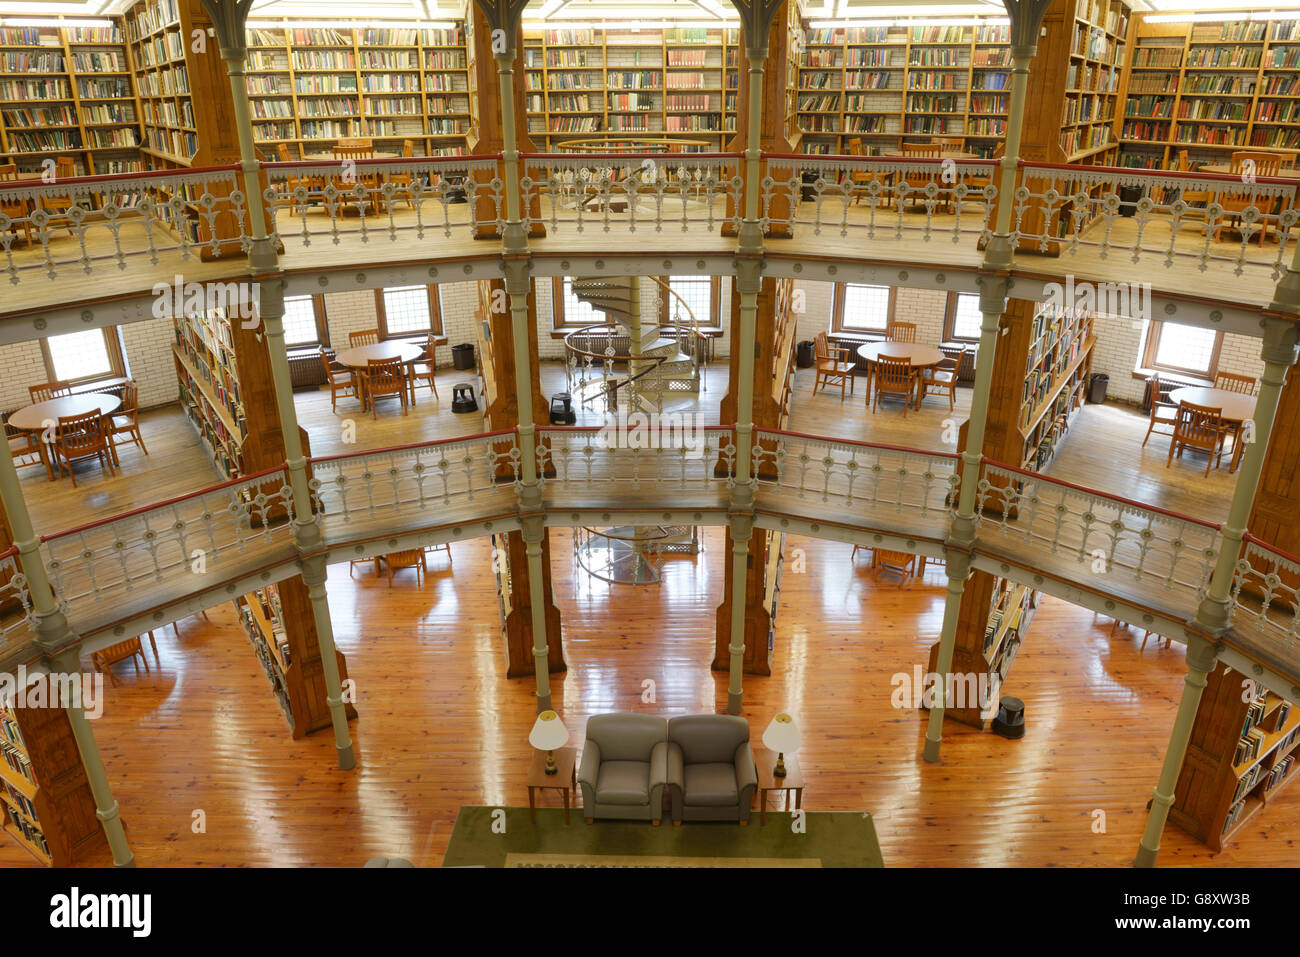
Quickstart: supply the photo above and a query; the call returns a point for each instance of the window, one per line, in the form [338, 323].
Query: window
[702, 294]
[304, 321]
[858, 308]
[408, 311]
[570, 312]
[83, 356]
[1185, 350]
[963, 319]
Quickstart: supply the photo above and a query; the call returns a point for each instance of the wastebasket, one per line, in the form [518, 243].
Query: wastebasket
[1129, 196]
[1097, 388]
[462, 356]
[804, 357]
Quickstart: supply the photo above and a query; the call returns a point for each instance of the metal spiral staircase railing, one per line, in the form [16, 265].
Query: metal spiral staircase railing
[632, 555]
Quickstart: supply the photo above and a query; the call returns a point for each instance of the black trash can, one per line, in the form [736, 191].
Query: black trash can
[462, 356]
[1129, 196]
[804, 357]
[1097, 388]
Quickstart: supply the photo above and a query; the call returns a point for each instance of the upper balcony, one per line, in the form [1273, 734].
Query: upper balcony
[1212, 246]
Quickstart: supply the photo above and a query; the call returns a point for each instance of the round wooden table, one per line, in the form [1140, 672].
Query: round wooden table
[43, 415]
[1235, 408]
[359, 357]
[920, 356]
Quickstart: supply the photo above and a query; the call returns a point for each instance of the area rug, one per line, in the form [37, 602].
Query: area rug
[484, 837]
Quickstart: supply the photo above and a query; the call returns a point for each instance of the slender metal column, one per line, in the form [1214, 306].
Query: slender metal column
[534, 531]
[742, 530]
[1279, 352]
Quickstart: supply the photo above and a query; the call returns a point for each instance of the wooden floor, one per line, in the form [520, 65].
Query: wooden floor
[441, 727]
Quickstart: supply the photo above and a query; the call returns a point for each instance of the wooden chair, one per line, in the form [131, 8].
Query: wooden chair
[901, 332]
[430, 549]
[292, 182]
[941, 379]
[366, 337]
[895, 377]
[948, 144]
[385, 379]
[1198, 199]
[1163, 412]
[363, 561]
[833, 364]
[1266, 164]
[22, 444]
[1201, 428]
[920, 179]
[342, 382]
[104, 659]
[423, 368]
[403, 181]
[80, 437]
[126, 420]
[860, 180]
[902, 564]
[48, 390]
[410, 558]
[1232, 382]
[65, 168]
[862, 548]
[16, 209]
[358, 151]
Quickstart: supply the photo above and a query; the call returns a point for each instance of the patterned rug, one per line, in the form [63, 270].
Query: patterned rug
[505, 837]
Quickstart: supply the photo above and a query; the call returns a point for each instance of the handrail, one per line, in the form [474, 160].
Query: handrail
[1161, 173]
[1168, 513]
[382, 161]
[317, 459]
[631, 156]
[858, 442]
[1246, 537]
[601, 428]
[66, 181]
[851, 158]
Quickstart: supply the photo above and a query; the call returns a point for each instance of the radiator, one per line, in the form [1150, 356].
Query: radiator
[306, 370]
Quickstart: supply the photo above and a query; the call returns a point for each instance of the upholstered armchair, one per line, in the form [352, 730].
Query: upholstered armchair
[711, 773]
[624, 767]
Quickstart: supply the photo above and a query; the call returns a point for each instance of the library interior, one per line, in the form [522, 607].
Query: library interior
[933, 434]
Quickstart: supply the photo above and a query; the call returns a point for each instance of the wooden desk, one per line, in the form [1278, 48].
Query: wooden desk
[359, 357]
[564, 779]
[36, 418]
[765, 762]
[1235, 408]
[920, 356]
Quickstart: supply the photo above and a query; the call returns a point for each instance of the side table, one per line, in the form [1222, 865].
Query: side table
[564, 779]
[765, 763]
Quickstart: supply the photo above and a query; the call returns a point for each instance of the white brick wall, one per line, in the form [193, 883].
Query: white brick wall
[925, 307]
[23, 366]
[148, 347]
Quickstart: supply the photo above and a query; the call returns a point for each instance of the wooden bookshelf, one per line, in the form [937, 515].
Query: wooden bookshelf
[310, 87]
[67, 91]
[661, 83]
[1241, 756]
[1211, 88]
[46, 804]
[991, 625]
[290, 657]
[207, 370]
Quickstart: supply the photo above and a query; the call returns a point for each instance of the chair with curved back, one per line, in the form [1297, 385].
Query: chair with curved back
[918, 180]
[901, 332]
[342, 381]
[385, 379]
[57, 207]
[1265, 164]
[1163, 412]
[941, 379]
[291, 183]
[1201, 428]
[1196, 199]
[833, 365]
[126, 420]
[365, 337]
[48, 390]
[80, 437]
[354, 151]
[1231, 382]
[860, 180]
[424, 368]
[895, 377]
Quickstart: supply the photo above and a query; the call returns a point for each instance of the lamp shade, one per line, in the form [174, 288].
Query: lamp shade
[782, 735]
[548, 732]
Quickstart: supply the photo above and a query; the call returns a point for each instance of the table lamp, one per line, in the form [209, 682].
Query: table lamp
[548, 734]
[782, 735]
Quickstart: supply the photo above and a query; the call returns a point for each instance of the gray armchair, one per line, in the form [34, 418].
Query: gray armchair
[624, 767]
[711, 773]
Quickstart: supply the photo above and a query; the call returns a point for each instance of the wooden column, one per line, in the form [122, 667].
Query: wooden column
[774, 316]
[502, 412]
[780, 130]
[1277, 501]
[485, 135]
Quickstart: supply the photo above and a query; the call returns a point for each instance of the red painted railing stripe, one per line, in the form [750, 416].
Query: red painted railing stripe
[1189, 175]
[1271, 548]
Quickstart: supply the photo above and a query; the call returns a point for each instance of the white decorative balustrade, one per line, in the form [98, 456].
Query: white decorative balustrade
[639, 452]
[1157, 216]
[15, 600]
[631, 192]
[174, 546]
[87, 224]
[880, 198]
[1266, 594]
[1105, 536]
[406, 199]
[365, 487]
[860, 477]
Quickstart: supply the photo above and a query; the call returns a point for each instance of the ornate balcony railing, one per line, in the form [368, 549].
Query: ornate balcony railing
[638, 451]
[1152, 215]
[120, 221]
[15, 600]
[410, 198]
[1110, 536]
[631, 192]
[184, 539]
[403, 481]
[880, 198]
[1266, 590]
[853, 475]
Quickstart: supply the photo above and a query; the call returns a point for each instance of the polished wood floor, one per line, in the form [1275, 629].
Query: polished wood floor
[440, 726]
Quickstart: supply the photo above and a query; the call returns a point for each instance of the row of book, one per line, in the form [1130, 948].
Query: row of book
[161, 49]
[934, 103]
[173, 82]
[228, 465]
[1212, 110]
[33, 833]
[169, 113]
[154, 16]
[22, 802]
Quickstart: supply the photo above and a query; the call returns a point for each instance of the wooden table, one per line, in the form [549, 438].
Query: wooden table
[1235, 408]
[765, 762]
[921, 357]
[564, 779]
[43, 415]
[358, 358]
